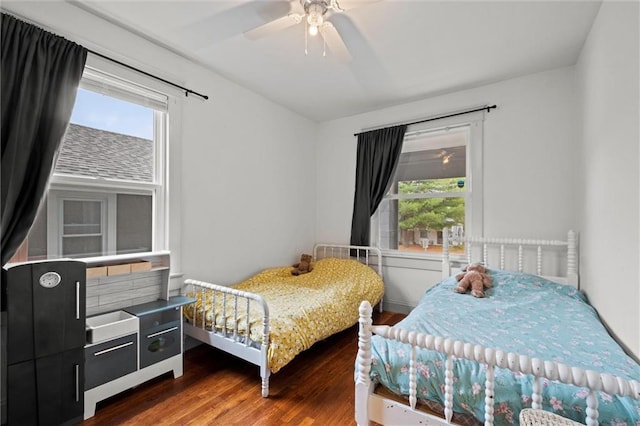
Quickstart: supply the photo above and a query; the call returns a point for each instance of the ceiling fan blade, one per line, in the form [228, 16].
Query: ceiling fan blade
[227, 23]
[274, 26]
[342, 5]
[334, 42]
[366, 65]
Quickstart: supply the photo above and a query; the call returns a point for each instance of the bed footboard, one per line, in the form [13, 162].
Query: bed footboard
[232, 305]
[371, 407]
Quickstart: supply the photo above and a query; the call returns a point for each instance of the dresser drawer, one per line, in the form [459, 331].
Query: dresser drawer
[110, 360]
[160, 342]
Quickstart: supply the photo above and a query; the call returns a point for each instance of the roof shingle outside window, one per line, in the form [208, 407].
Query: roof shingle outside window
[99, 153]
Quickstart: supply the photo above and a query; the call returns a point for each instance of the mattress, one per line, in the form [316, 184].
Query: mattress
[303, 309]
[522, 313]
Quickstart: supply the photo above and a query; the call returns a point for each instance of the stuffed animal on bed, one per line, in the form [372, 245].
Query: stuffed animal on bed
[473, 275]
[303, 266]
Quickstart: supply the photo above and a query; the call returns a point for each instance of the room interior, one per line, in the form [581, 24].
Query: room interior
[560, 150]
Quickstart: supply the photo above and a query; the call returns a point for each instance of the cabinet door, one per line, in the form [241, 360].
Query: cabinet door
[17, 282]
[47, 391]
[21, 394]
[109, 360]
[59, 310]
[60, 379]
[160, 342]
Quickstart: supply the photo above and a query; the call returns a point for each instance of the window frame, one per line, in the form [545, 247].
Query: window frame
[99, 187]
[474, 181]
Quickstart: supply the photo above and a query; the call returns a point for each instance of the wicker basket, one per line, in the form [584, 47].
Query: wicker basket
[531, 417]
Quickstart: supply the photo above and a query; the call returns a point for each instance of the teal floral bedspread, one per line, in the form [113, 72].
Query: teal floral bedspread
[522, 313]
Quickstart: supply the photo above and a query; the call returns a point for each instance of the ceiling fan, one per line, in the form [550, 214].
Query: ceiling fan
[316, 15]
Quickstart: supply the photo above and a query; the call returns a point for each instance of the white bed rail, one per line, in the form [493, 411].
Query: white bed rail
[455, 349]
[370, 256]
[231, 340]
[504, 246]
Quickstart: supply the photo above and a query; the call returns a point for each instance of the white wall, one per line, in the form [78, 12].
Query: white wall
[529, 151]
[248, 185]
[241, 171]
[608, 202]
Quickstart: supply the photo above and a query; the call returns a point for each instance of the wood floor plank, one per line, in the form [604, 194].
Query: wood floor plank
[316, 388]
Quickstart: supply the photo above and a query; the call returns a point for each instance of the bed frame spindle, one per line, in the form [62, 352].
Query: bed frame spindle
[448, 389]
[264, 368]
[413, 398]
[536, 394]
[489, 393]
[485, 257]
[539, 261]
[520, 259]
[363, 361]
[235, 317]
[224, 313]
[592, 409]
[247, 334]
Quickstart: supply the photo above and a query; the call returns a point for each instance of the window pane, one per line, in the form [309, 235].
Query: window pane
[82, 246]
[108, 138]
[432, 164]
[134, 224]
[416, 225]
[81, 217]
[421, 221]
[427, 193]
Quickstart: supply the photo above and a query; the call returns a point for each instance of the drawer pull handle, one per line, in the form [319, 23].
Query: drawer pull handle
[168, 330]
[77, 300]
[115, 348]
[77, 371]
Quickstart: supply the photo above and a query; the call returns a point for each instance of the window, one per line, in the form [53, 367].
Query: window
[107, 193]
[437, 184]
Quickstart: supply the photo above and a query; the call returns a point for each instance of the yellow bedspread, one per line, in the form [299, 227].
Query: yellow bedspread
[303, 309]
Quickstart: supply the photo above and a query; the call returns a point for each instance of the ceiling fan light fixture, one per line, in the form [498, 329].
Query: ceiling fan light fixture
[315, 17]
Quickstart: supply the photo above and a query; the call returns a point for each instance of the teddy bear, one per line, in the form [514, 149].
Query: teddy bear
[303, 266]
[475, 276]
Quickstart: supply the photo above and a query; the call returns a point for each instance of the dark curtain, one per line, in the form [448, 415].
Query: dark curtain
[378, 154]
[39, 74]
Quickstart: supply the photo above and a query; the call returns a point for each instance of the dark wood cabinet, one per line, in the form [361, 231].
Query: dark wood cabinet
[45, 342]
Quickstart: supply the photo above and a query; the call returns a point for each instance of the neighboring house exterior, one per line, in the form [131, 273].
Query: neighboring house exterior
[96, 220]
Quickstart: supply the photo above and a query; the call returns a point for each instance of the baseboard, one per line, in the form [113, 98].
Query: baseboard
[399, 307]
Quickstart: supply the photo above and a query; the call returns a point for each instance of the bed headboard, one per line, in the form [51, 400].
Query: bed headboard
[552, 259]
[370, 256]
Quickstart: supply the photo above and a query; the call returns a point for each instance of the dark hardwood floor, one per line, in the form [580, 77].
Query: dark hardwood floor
[217, 389]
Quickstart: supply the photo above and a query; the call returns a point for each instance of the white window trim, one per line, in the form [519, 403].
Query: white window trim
[159, 189]
[475, 180]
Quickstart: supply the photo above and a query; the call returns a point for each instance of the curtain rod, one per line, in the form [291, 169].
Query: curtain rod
[186, 91]
[453, 114]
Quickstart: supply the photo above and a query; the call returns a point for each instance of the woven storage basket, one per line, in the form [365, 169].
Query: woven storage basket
[531, 417]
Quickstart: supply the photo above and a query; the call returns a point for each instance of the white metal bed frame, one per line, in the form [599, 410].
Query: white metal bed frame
[370, 406]
[239, 343]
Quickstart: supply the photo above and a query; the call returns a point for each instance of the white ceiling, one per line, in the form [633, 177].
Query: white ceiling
[401, 50]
